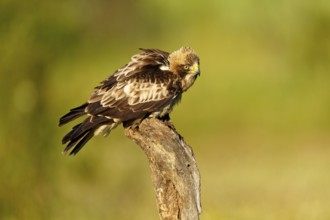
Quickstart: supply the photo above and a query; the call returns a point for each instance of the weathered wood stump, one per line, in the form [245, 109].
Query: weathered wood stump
[174, 172]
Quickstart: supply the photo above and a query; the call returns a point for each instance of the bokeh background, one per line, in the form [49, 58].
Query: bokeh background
[257, 118]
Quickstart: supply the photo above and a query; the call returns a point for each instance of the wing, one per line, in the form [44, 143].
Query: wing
[139, 63]
[139, 88]
[135, 97]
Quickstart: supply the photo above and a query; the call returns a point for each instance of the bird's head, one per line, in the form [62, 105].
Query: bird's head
[185, 63]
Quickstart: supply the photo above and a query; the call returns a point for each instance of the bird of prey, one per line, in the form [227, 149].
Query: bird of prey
[148, 86]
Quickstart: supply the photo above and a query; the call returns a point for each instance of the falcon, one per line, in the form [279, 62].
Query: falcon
[148, 86]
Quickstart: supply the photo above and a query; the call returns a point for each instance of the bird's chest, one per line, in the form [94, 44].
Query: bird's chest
[170, 106]
[167, 109]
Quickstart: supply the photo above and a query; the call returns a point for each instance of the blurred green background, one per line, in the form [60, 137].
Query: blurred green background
[257, 118]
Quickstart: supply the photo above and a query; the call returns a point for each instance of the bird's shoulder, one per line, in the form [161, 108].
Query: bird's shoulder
[148, 63]
[147, 72]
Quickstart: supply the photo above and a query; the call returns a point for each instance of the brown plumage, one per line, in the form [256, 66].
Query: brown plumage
[148, 86]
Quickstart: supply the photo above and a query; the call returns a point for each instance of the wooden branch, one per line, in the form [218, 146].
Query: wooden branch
[174, 172]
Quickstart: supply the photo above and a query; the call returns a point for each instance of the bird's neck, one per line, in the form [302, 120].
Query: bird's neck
[187, 81]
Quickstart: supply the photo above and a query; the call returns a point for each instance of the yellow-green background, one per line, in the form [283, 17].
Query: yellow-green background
[257, 118]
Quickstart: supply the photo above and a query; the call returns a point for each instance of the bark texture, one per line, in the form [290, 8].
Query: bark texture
[174, 172]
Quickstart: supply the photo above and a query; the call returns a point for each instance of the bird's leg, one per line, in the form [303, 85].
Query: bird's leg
[167, 120]
[134, 123]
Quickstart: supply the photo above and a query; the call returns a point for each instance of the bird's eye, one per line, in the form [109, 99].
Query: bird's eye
[185, 67]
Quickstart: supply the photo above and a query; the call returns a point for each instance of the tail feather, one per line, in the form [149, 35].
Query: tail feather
[69, 135]
[73, 114]
[81, 142]
[83, 132]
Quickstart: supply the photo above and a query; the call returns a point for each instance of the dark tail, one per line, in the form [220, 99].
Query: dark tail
[77, 138]
[73, 114]
[83, 132]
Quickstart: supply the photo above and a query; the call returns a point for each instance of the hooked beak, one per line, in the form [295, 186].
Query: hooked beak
[195, 69]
